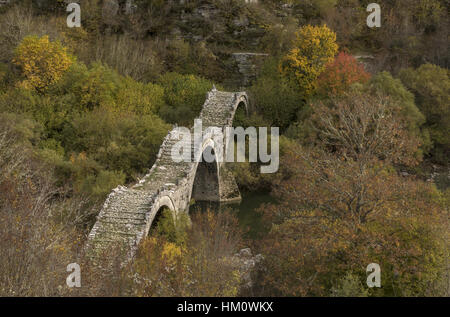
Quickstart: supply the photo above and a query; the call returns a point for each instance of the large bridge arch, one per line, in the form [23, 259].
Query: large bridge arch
[128, 213]
[206, 181]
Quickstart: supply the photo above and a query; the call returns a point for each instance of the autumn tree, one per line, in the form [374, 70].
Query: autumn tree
[340, 74]
[363, 128]
[357, 137]
[314, 47]
[42, 62]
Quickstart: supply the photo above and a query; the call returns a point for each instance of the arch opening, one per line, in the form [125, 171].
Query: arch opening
[206, 181]
[162, 222]
[240, 115]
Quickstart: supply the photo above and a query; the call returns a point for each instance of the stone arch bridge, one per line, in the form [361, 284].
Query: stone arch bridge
[128, 213]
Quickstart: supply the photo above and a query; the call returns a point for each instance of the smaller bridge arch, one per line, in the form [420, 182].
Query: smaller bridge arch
[160, 203]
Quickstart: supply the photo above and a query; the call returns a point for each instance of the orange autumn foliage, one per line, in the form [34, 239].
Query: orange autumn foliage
[340, 74]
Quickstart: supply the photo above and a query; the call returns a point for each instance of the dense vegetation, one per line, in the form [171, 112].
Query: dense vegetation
[364, 148]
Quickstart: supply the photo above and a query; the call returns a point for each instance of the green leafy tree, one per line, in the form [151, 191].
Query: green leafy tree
[408, 111]
[184, 96]
[275, 98]
[431, 87]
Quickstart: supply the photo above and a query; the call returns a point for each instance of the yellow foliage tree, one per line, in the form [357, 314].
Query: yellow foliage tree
[42, 62]
[314, 47]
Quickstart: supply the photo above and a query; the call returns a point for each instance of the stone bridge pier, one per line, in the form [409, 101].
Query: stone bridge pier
[128, 213]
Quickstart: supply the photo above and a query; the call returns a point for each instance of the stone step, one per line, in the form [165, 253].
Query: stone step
[120, 226]
[126, 214]
[121, 221]
[114, 234]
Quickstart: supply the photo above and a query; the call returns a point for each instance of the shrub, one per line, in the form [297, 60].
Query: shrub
[101, 86]
[117, 141]
[21, 20]
[350, 285]
[201, 266]
[428, 14]
[139, 98]
[184, 96]
[137, 59]
[38, 237]
[19, 100]
[4, 73]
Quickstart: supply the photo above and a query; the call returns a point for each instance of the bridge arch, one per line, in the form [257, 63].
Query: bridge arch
[205, 184]
[242, 100]
[160, 204]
